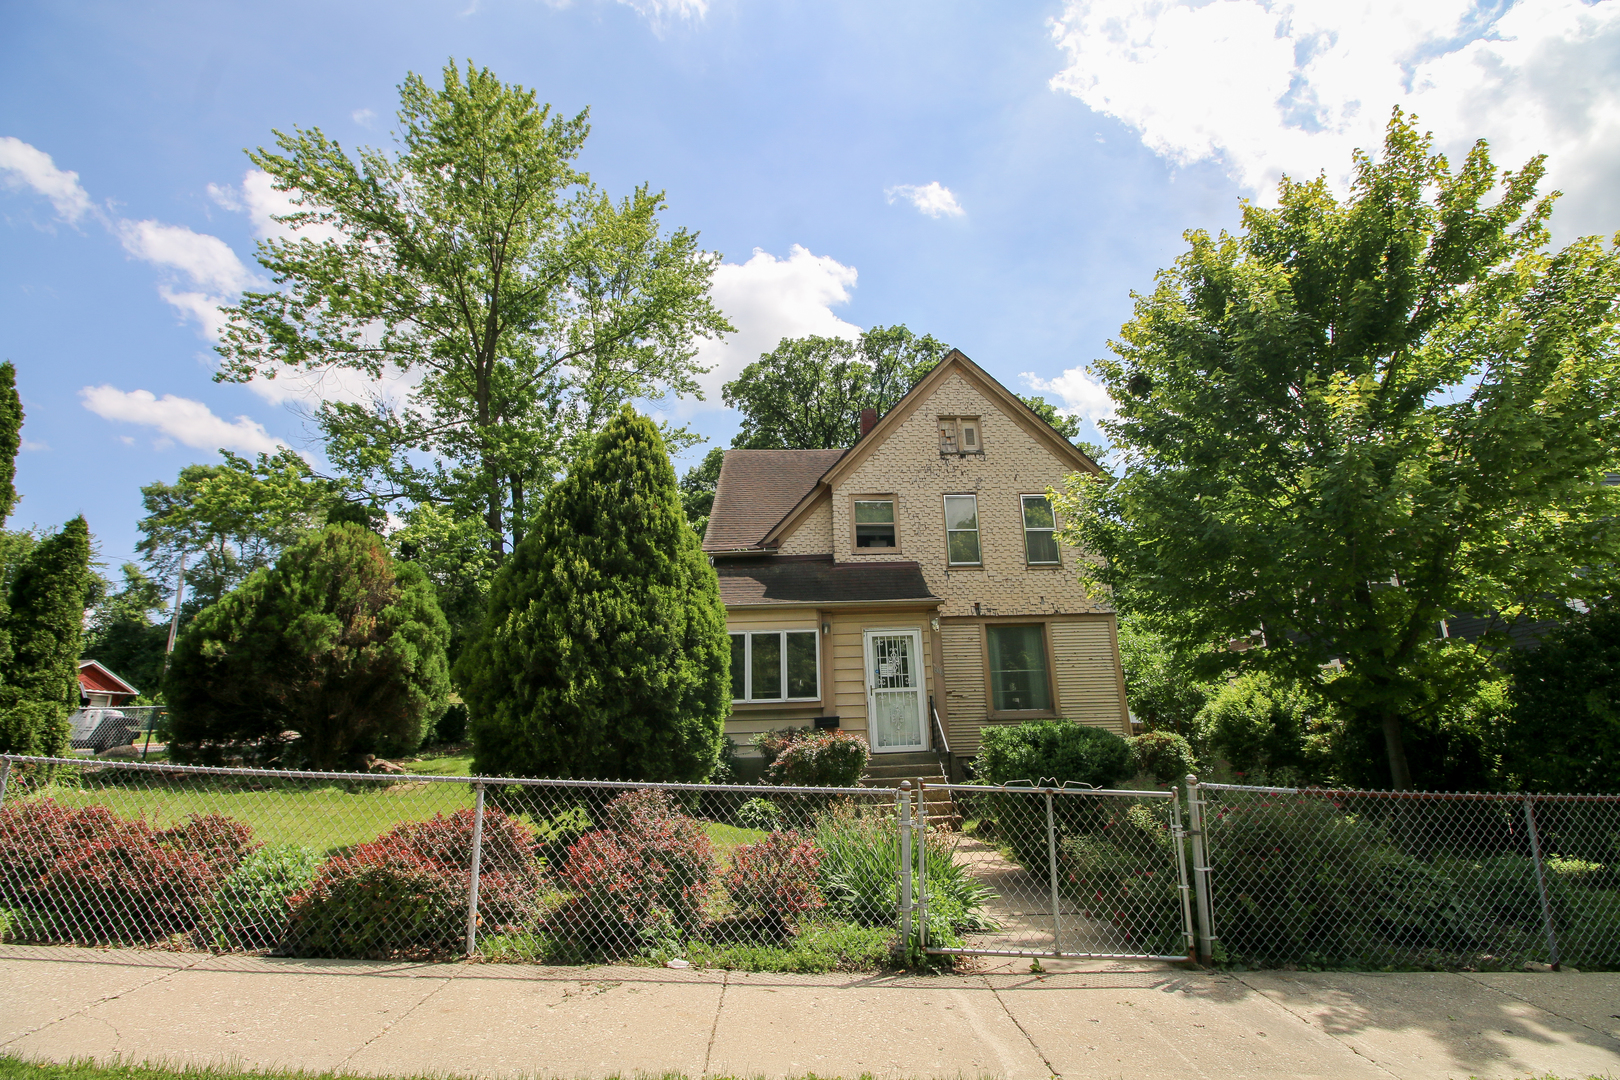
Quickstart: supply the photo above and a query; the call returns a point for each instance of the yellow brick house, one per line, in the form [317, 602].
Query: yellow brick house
[911, 588]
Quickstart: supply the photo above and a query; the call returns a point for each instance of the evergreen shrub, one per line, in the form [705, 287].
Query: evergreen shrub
[1163, 755]
[820, 759]
[760, 814]
[250, 910]
[1060, 751]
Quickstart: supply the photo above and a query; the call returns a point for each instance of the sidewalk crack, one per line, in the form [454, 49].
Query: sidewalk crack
[103, 1000]
[708, 1053]
[1535, 1004]
[1033, 1045]
[1263, 996]
[386, 1028]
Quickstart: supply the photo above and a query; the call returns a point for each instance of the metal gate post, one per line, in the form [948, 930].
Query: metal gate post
[922, 864]
[1541, 880]
[1178, 836]
[1200, 871]
[477, 860]
[5, 774]
[905, 865]
[1051, 862]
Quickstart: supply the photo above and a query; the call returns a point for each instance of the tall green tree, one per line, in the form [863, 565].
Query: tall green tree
[228, 520]
[1357, 416]
[698, 487]
[808, 393]
[45, 624]
[335, 642]
[605, 654]
[1562, 729]
[519, 303]
[11, 421]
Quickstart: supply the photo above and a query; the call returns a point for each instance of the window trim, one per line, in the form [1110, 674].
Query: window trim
[748, 664]
[977, 530]
[1053, 531]
[993, 713]
[893, 499]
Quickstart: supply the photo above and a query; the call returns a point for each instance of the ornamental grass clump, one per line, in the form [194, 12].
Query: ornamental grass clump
[647, 871]
[405, 894]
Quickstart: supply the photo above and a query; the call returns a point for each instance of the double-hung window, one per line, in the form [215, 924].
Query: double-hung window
[1040, 527]
[874, 523]
[962, 530]
[775, 665]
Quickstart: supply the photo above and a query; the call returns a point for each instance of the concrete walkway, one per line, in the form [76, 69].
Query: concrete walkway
[1137, 1021]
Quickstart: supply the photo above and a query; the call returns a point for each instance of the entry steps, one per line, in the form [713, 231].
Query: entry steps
[888, 770]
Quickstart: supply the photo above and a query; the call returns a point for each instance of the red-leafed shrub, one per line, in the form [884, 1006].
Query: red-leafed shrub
[651, 867]
[821, 759]
[86, 874]
[776, 878]
[405, 893]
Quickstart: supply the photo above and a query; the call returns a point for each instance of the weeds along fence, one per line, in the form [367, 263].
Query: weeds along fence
[366, 866]
[1382, 879]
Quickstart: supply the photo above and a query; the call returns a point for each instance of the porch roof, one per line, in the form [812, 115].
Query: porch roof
[790, 580]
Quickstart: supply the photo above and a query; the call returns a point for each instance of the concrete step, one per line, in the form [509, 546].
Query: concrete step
[907, 757]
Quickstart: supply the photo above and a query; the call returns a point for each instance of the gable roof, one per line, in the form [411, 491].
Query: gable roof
[756, 488]
[93, 676]
[955, 362]
[819, 580]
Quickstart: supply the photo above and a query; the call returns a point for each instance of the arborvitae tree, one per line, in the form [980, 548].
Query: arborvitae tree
[336, 642]
[45, 625]
[11, 419]
[605, 652]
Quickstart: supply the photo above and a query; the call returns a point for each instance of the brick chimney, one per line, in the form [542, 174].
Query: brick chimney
[868, 421]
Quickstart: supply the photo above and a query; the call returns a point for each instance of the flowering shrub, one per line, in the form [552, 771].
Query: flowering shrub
[820, 759]
[405, 893]
[776, 878]
[650, 866]
[86, 874]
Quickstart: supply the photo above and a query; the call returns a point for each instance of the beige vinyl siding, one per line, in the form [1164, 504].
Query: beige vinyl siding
[1086, 676]
[964, 684]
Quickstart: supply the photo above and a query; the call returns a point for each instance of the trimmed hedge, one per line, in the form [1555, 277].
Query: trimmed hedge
[1052, 750]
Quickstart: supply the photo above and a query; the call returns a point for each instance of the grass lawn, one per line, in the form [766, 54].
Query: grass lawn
[442, 765]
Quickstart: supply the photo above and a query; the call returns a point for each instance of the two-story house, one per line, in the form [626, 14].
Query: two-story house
[912, 588]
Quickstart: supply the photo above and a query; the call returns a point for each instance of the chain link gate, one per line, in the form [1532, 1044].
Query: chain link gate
[1065, 872]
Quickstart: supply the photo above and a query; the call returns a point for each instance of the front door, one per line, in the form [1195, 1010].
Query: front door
[894, 690]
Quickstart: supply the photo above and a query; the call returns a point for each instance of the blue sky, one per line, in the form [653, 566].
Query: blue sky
[1000, 175]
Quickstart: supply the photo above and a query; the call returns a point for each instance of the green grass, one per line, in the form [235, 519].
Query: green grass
[817, 948]
[441, 765]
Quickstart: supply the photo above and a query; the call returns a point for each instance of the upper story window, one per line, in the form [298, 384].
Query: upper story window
[1040, 526]
[962, 530]
[874, 523]
[775, 665]
[960, 435]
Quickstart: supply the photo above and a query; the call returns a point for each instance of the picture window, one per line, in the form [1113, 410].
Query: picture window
[776, 665]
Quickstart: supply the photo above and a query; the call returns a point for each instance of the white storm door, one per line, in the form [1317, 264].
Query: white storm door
[894, 690]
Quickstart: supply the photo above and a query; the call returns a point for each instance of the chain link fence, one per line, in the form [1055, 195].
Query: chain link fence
[1380, 879]
[1064, 872]
[426, 867]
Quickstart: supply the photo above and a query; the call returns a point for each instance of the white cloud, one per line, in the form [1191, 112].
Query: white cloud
[661, 12]
[1273, 86]
[28, 446]
[363, 117]
[179, 419]
[932, 198]
[262, 203]
[207, 260]
[25, 166]
[768, 299]
[1081, 395]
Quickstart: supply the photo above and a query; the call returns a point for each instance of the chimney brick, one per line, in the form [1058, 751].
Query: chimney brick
[868, 421]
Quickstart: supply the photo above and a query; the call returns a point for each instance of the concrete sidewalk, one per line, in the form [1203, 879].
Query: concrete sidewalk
[1141, 1021]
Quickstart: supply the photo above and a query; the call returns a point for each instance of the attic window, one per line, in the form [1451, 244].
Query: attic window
[960, 435]
[874, 523]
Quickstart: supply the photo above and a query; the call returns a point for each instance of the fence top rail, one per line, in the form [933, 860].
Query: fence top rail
[1440, 796]
[1033, 789]
[873, 794]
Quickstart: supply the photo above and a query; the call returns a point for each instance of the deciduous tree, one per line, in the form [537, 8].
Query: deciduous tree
[1357, 416]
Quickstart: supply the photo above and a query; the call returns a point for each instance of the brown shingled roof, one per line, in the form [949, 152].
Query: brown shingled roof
[757, 489]
[752, 582]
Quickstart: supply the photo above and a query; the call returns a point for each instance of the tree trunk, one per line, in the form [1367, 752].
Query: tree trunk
[519, 511]
[1400, 775]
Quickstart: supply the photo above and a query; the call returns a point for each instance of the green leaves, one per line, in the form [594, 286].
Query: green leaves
[1355, 417]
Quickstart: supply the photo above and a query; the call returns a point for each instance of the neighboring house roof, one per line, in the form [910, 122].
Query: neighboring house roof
[819, 580]
[94, 678]
[756, 489]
